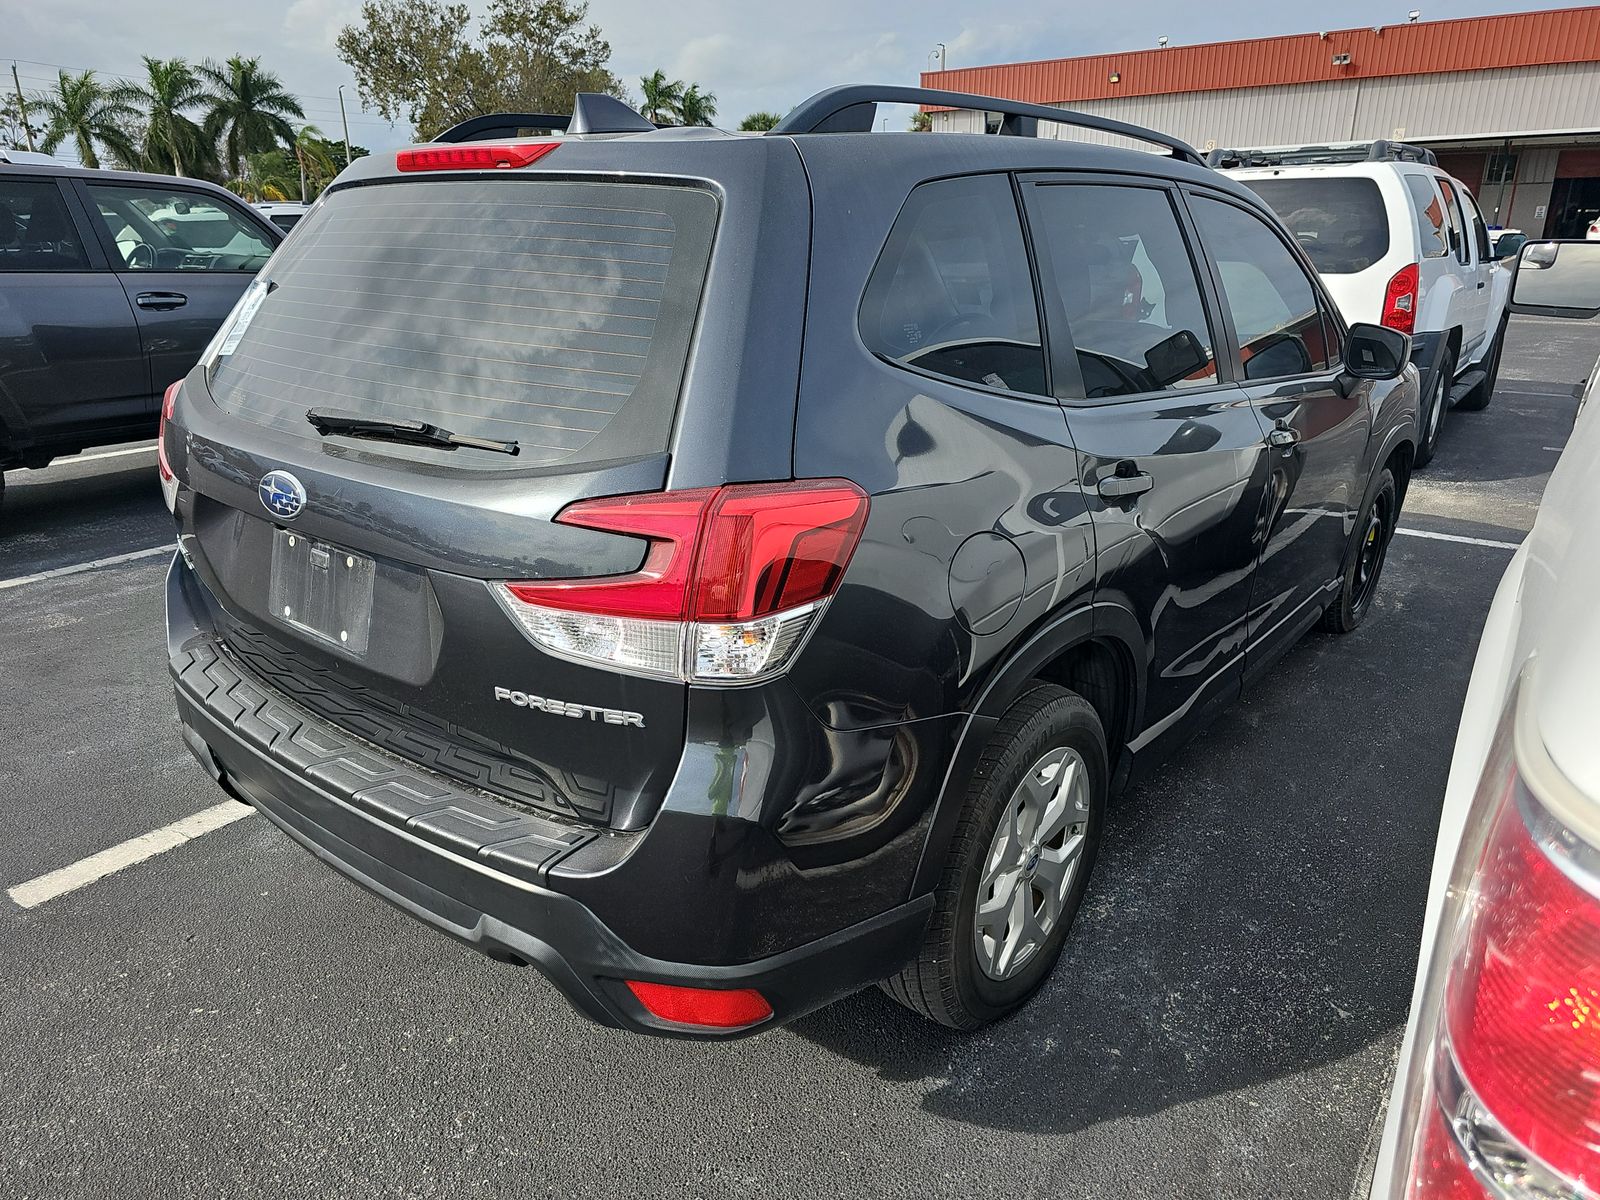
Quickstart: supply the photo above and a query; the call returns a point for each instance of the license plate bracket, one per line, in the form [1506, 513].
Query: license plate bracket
[322, 590]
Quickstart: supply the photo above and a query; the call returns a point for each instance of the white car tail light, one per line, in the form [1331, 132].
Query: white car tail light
[1510, 1104]
[733, 579]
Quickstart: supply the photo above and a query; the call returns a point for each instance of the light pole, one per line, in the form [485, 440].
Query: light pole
[938, 50]
[345, 121]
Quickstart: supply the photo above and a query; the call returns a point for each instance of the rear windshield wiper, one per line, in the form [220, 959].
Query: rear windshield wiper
[411, 433]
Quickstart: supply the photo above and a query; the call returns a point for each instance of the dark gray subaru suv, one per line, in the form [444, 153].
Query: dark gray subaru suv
[725, 571]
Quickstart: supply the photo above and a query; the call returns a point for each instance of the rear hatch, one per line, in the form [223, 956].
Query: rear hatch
[594, 313]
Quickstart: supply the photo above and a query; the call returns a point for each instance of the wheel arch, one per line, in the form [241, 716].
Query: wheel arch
[1099, 652]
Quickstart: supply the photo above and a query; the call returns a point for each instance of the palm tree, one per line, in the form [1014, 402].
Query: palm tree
[173, 142]
[696, 107]
[249, 109]
[661, 97]
[81, 110]
[759, 122]
[311, 153]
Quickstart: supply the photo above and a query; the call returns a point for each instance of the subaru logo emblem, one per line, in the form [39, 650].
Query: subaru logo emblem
[282, 495]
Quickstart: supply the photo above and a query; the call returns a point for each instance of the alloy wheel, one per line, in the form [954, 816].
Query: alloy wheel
[1032, 862]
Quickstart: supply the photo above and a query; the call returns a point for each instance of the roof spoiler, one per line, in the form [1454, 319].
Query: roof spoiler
[1382, 150]
[854, 108]
[592, 112]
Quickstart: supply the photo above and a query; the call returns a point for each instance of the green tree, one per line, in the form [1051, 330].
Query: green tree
[660, 97]
[696, 107]
[248, 110]
[12, 134]
[172, 142]
[81, 110]
[921, 122]
[760, 121]
[423, 60]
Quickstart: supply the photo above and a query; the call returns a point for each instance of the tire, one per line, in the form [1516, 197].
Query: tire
[1434, 409]
[964, 976]
[1478, 398]
[1364, 558]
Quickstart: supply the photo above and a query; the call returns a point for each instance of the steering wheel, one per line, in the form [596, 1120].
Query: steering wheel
[141, 257]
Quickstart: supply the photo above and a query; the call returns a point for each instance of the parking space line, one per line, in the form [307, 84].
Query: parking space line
[78, 568]
[78, 458]
[1456, 537]
[135, 850]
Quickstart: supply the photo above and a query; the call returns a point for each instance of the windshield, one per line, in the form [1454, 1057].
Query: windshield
[549, 313]
[1339, 221]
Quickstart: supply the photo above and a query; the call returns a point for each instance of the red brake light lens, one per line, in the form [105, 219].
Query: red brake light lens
[1400, 299]
[1523, 1004]
[472, 156]
[705, 1007]
[163, 464]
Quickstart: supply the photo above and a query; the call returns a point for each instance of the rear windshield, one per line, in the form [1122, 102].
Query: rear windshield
[550, 313]
[1339, 222]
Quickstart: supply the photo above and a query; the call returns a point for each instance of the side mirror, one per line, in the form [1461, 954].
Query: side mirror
[1558, 279]
[1509, 245]
[1175, 358]
[1376, 352]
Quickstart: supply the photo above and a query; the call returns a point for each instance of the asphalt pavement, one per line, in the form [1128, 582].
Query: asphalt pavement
[231, 1018]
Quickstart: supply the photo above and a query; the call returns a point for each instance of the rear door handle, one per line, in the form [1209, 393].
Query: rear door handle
[1126, 486]
[161, 300]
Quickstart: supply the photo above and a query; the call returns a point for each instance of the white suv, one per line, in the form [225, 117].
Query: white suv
[1399, 243]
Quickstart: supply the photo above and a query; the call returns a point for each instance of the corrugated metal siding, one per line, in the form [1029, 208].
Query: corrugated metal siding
[1569, 35]
[1466, 104]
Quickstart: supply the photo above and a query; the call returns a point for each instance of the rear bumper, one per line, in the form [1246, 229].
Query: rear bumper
[473, 867]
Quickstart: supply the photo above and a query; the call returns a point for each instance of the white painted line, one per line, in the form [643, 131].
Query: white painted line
[1456, 537]
[78, 458]
[1553, 449]
[79, 568]
[135, 850]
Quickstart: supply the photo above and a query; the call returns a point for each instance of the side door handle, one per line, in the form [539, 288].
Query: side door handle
[1283, 435]
[161, 301]
[1480, 285]
[1126, 483]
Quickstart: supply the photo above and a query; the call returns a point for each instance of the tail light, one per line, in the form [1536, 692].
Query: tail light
[1400, 299]
[472, 156]
[169, 481]
[1511, 1108]
[736, 1008]
[732, 580]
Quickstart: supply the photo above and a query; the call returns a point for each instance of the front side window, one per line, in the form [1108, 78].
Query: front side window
[1480, 232]
[952, 294]
[166, 229]
[1128, 287]
[1429, 210]
[36, 234]
[1274, 305]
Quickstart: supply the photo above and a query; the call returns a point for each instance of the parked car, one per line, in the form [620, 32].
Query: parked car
[111, 283]
[1402, 243]
[728, 571]
[1497, 1094]
[285, 214]
[1594, 231]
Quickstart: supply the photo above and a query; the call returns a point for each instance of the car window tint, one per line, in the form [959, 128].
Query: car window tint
[1430, 215]
[167, 229]
[1339, 222]
[1272, 300]
[952, 293]
[1480, 232]
[1128, 287]
[36, 232]
[1452, 216]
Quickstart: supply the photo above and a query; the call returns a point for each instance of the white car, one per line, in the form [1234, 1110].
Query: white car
[1594, 231]
[1497, 1094]
[1401, 243]
[285, 214]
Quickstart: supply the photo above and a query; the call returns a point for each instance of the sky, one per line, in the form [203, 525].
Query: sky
[751, 55]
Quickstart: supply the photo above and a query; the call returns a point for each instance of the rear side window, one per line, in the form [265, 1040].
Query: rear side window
[557, 315]
[36, 234]
[1429, 211]
[1274, 305]
[1480, 233]
[1128, 286]
[952, 293]
[1339, 222]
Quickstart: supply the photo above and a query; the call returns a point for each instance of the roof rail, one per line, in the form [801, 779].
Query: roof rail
[854, 108]
[1381, 150]
[592, 112]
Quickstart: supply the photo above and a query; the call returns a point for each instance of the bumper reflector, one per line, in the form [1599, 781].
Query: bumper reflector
[705, 1007]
